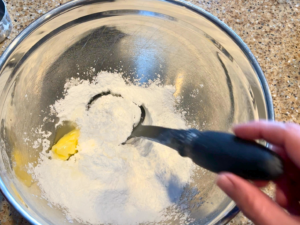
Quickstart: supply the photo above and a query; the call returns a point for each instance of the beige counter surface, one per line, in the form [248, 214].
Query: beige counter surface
[270, 28]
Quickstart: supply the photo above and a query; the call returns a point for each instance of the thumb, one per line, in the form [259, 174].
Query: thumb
[257, 206]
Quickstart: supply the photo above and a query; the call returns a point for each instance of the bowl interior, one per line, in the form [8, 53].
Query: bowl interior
[214, 79]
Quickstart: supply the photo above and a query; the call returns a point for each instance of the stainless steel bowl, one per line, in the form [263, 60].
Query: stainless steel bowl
[214, 73]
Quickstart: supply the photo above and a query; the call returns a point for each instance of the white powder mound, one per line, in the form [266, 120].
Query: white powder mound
[107, 182]
[111, 119]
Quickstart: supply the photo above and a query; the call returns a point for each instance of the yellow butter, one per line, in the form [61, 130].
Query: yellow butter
[66, 146]
[17, 194]
[19, 165]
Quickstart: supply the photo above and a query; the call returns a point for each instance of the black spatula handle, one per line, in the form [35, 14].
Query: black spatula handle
[218, 152]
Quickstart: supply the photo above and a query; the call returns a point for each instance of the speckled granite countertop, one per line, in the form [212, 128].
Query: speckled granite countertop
[270, 28]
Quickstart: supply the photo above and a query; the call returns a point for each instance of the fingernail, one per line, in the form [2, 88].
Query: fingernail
[224, 182]
[235, 126]
[222, 179]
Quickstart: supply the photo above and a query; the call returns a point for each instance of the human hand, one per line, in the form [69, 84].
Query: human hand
[257, 206]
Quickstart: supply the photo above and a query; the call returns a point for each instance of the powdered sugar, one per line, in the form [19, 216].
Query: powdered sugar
[107, 182]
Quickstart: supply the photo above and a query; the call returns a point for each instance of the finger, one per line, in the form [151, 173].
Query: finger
[294, 208]
[281, 196]
[297, 218]
[254, 204]
[280, 151]
[269, 131]
[290, 169]
[260, 183]
[287, 195]
[280, 134]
